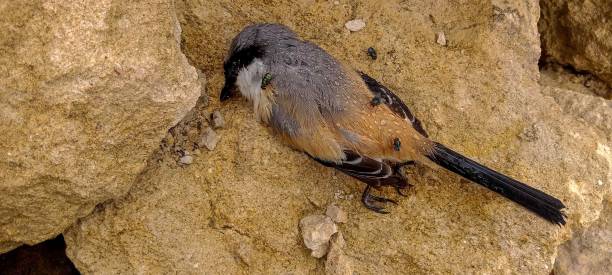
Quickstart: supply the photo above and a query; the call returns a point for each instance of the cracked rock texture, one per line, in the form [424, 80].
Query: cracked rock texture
[237, 209]
[317, 230]
[87, 91]
[579, 33]
[590, 250]
[336, 263]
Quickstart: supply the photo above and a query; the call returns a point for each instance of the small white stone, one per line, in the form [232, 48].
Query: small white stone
[441, 38]
[208, 139]
[355, 25]
[217, 120]
[337, 262]
[316, 232]
[186, 159]
[336, 213]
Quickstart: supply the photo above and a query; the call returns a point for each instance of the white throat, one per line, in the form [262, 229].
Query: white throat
[249, 80]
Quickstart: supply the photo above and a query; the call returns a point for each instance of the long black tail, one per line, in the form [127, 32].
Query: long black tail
[533, 199]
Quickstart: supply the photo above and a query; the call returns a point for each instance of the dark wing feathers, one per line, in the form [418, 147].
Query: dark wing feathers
[373, 172]
[393, 102]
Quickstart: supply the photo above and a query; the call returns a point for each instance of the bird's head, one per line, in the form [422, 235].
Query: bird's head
[249, 46]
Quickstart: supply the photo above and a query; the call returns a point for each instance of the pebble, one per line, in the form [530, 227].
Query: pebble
[316, 232]
[441, 38]
[217, 120]
[337, 262]
[355, 25]
[336, 213]
[186, 159]
[244, 253]
[208, 139]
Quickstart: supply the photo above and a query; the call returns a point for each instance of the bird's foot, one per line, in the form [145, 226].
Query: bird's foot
[402, 186]
[369, 199]
[406, 164]
[399, 190]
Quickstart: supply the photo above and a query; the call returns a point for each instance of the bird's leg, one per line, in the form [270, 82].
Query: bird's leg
[399, 191]
[397, 167]
[406, 163]
[400, 187]
[368, 199]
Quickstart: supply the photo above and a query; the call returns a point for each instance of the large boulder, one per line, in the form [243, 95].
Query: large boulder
[236, 209]
[87, 91]
[579, 33]
[590, 249]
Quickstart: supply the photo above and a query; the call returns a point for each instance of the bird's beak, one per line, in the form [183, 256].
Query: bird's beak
[227, 91]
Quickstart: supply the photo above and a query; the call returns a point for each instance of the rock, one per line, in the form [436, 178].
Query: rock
[577, 32]
[554, 75]
[244, 252]
[477, 99]
[337, 263]
[590, 250]
[590, 109]
[355, 25]
[336, 213]
[186, 159]
[441, 38]
[217, 120]
[316, 232]
[208, 139]
[87, 91]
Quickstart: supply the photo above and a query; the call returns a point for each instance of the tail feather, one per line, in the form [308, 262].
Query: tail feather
[546, 206]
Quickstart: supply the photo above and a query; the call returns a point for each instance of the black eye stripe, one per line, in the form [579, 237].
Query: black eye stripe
[242, 58]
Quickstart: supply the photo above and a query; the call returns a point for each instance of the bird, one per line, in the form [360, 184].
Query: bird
[345, 119]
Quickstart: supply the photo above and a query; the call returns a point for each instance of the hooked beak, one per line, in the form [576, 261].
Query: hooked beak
[227, 91]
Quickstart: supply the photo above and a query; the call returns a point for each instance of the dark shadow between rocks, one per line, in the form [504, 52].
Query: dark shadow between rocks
[48, 257]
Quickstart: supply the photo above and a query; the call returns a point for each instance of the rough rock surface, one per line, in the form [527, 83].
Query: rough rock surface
[87, 90]
[316, 233]
[589, 251]
[578, 32]
[336, 262]
[555, 75]
[336, 213]
[237, 209]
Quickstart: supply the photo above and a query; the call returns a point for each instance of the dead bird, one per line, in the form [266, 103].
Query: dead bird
[325, 109]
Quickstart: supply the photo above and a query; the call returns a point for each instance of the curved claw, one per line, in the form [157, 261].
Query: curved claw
[399, 191]
[368, 199]
[376, 209]
[383, 199]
